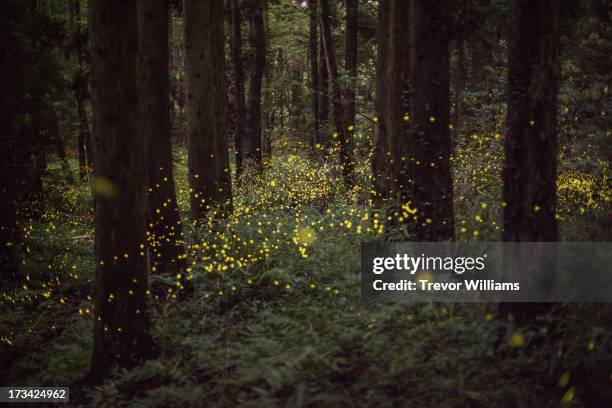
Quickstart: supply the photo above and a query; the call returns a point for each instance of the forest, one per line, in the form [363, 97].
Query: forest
[186, 185]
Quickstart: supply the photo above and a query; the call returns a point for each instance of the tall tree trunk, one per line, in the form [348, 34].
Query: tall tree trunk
[459, 89]
[323, 87]
[351, 61]
[391, 175]
[339, 115]
[530, 167]
[208, 160]
[313, 55]
[432, 191]
[239, 103]
[55, 135]
[80, 84]
[166, 249]
[251, 145]
[121, 322]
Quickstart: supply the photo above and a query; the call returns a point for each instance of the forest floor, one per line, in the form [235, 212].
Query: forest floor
[276, 317]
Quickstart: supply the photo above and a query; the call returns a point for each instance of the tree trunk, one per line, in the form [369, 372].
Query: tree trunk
[323, 87]
[55, 135]
[430, 144]
[121, 322]
[251, 145]
[80, 84]
[339, 115]
[351, 62]
[239, 103]
[391, 175]
[166, 250]
[313, 55]
[459, 89]
[208, 161]
[530, 167]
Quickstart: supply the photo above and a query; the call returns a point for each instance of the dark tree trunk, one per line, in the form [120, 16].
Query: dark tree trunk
[251, 145]
[430, 144]
[339, 115]
[530, 167]
[80, 84]
[390, 172]
[121, 323]
[280, 89]
[239, 103]
[459, 89]
[323, 87]
[351, 62]
[166, 249]
[51, 126]
[208, 160]
[313, 55]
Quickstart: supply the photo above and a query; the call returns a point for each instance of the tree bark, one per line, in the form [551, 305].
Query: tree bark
[339, 114]
[391, 174]
[351, 61]
[430, 144]
[239, 102]
[121, 322]
[80, 84]
[530, 167]
[208, 161]
[165, 239]
[251, 145]
[313, 55]
[323, 87]
[459, 89]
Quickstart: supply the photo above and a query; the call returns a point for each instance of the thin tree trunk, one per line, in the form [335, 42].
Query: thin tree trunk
[121, 322]
[530, 167]
[351, 61]
[323, 87]
[239, 103]
[52, 127]
[459, 90]
[313, 55]
[166, 249]
[432, 191]
[208, 160]
[80, 84]
[339, 116]
[251, 145]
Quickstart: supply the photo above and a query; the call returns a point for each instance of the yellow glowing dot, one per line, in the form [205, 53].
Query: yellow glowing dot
[488, 317]
[564, 379]
[590, 345]
[536, 208]
[432, 119]
[569, 394]
[517, 340]
[375, 119]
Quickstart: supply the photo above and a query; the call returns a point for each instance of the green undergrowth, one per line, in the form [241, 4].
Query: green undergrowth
[276, 317]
